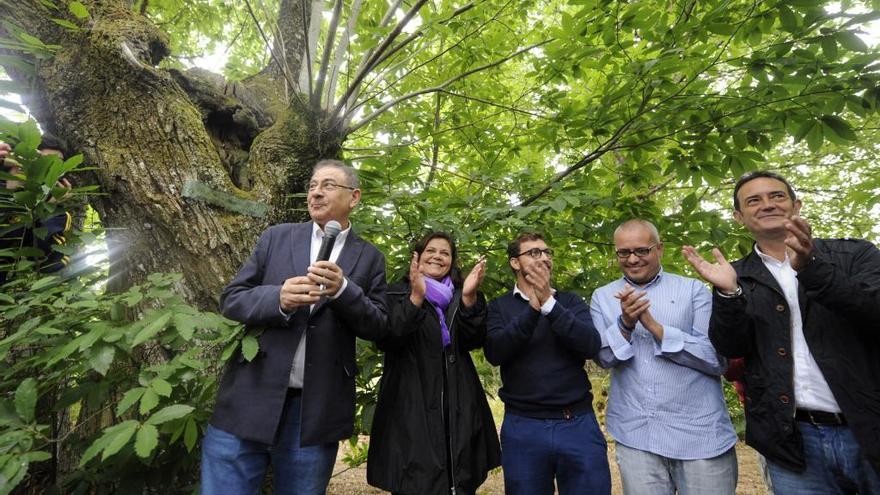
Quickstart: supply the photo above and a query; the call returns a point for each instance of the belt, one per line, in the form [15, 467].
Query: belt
[820, 418]
[294, 392]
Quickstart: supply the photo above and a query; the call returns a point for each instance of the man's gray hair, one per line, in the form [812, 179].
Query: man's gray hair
[351, 175]
[655, 236]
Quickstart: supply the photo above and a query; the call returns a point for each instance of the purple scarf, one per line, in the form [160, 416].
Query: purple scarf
[440, 295]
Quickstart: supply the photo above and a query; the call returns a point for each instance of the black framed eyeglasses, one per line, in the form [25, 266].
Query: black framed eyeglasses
[536, 253]
[328, 186]
[641, 252]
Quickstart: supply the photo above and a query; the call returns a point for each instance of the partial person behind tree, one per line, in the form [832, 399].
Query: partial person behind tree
[433, 431]
[37, 241]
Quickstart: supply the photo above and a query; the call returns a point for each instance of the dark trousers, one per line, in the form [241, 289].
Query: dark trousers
[535, 452]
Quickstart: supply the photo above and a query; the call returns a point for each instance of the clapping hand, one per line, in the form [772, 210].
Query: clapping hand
[416, 281]
[472, 282]
[537, 288]
[720, 274]
[800, 241]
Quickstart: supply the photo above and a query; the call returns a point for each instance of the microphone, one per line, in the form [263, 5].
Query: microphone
[331, 230]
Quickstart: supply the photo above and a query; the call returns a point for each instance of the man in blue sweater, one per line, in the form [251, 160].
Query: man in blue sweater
[542, 338]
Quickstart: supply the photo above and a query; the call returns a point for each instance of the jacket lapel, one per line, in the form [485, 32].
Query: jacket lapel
[301, 246]
[754, 269]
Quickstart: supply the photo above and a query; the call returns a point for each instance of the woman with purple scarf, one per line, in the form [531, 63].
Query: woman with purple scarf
[433, 432]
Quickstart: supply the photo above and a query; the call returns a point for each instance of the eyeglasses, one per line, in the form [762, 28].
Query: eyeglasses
[640, 252]
[536, 253]
[328, 186]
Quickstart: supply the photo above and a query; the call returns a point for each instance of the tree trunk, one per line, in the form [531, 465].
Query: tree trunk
[189, 174]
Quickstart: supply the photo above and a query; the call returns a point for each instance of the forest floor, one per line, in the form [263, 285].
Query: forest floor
[353, 481]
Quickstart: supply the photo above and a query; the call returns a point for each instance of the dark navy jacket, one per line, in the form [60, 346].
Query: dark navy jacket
[252, 394]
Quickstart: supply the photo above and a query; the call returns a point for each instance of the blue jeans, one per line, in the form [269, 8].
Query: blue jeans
[535, 451]
[232, 466]
[835, 465]
[644, 473]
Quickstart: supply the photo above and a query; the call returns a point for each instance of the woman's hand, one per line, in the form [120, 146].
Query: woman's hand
[472, 283]
[416, 281]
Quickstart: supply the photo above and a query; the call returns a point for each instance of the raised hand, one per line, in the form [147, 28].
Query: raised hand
[800, 240]
[720, 274]
[538, 276]
[416, 281]
[472, 282]
[632, 304]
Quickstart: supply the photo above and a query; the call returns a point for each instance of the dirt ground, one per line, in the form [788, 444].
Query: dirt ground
[353, 481]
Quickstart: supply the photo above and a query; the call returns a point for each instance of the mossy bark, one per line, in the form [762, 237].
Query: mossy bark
[149, 132]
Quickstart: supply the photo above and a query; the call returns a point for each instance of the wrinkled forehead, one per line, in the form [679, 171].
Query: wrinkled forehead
[761, 186]
[633, 235]
[324, 174]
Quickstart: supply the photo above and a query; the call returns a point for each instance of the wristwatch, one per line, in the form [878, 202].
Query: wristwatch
[738, 292]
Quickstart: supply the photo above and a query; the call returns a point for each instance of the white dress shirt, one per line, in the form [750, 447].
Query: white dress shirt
[811, 391]
[299, 358]
[548, 305]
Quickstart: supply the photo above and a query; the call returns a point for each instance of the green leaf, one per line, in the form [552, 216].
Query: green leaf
[122, 437]
[109, 435]
[190, 435]
[851, 41]
[152, 329]
[839, 126]
[787, 19]
[149, 401]
[78, 10]
[161, 387]
[26, 399]
[146, 441]
[815, 138]
[128, 399]
[170, 413]
[101, 357]
[803, 130]
[249, 347]
[829, 47]
[186, 325]
[66, 24]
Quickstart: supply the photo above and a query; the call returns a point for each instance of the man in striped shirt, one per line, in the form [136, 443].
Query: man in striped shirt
[666, 409]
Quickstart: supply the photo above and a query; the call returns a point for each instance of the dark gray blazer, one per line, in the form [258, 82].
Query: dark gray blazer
[251, 395]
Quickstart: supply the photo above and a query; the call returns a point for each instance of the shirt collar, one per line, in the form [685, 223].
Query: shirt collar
[520, 293]
[766, 258]
[653, 281]
[318, 234]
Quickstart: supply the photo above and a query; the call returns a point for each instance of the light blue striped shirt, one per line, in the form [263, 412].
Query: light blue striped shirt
[665, 397]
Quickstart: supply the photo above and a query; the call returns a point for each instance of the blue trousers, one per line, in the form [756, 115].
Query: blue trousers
[534, 452]
[232, 466]
[835, 465]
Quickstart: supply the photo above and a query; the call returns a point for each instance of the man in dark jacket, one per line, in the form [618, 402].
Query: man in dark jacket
[292, 403]
[803, 313]
[542, 338]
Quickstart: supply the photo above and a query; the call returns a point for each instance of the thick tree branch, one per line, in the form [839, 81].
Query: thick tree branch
[389, 14]
[362, 72]
[384, 108]
[342, 49]
[311, 45]
[325, 58]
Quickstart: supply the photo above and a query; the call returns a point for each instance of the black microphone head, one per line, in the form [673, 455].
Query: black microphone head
[332, 228]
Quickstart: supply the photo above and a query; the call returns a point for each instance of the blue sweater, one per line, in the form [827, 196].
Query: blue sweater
[542, 357]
